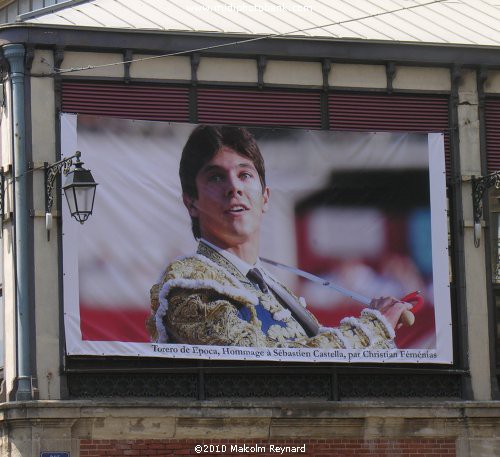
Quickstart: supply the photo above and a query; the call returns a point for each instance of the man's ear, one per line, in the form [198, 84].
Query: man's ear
[265, 197]
[190, 204]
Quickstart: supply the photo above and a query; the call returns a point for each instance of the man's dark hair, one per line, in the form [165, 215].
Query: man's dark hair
[203, 144]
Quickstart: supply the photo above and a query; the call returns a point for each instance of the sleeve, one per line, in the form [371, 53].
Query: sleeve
[369, 331]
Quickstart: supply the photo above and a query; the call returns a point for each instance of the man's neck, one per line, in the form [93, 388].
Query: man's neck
[248, 253]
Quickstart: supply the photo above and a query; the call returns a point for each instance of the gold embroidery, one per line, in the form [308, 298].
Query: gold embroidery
[202, 302]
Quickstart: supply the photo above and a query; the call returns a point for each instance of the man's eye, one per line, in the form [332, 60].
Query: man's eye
[246, 175]
[215, 178]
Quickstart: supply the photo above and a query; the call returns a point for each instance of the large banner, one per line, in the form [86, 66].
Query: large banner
[357, 222]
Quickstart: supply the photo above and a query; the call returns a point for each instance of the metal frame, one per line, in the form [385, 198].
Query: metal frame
[208, 380]
[201, 374]
[198, 379]
[64, 388]
[457, 289]
[491, 288]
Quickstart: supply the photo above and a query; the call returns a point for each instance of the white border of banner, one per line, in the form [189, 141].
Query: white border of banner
[443, 353]
[440, 255]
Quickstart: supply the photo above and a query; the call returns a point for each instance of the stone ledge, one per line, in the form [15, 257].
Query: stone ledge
[360, 408]
[135, 419]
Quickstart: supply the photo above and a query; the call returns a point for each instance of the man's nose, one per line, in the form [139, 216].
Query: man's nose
[233, 186]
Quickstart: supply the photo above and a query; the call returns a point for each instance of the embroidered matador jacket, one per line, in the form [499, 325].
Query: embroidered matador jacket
[204, 299]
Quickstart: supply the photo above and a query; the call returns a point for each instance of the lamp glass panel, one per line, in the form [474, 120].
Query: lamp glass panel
[494, 207]
[80, 199]
[70, 197]
[84, 198]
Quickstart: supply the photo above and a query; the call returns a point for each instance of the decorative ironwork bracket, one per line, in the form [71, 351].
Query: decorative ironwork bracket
[51, 172]
[479, 187]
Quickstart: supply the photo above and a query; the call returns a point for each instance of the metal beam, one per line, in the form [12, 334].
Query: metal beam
[337, 50]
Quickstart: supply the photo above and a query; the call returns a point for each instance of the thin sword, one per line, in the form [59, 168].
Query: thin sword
[348, 293]
[407, 317]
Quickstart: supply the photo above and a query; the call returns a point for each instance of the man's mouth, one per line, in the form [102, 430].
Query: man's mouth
[235, 209]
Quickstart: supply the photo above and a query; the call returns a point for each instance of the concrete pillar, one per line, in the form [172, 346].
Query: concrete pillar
[47, 304]
[475, 261]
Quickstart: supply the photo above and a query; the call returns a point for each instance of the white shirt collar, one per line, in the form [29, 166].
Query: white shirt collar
[241, 265]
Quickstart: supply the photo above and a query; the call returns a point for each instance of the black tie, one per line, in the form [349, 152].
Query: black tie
[256, 277]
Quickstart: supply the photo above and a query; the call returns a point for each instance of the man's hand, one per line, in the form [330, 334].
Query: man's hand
[393, 310]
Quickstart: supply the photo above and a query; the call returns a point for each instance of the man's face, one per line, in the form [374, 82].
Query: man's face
[230, 201]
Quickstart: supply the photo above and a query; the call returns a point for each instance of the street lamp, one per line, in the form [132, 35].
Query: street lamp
[479, 187]
[79, 188]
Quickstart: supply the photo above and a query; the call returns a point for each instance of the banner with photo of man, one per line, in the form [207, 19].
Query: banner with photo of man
[347, 232]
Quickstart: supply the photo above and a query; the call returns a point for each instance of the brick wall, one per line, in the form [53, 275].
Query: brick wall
[313, 448]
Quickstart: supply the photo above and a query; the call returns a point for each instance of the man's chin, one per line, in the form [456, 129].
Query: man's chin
[233, 239]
